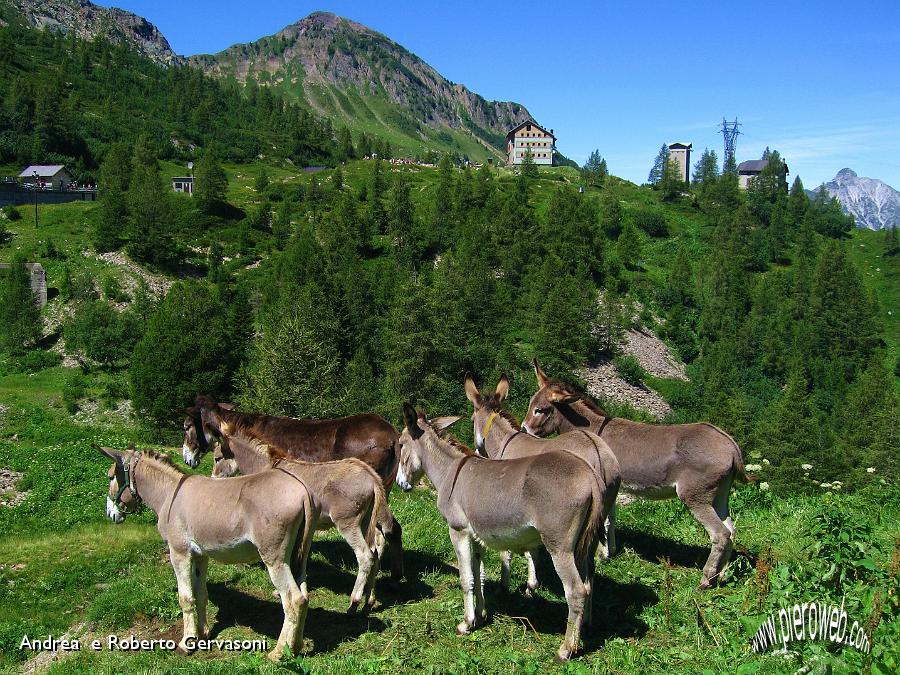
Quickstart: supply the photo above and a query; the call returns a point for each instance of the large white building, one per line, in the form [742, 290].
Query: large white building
[530, 136]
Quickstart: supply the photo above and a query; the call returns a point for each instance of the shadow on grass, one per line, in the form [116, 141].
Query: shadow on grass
[652, 549]
[616, 608]
[335, 575]
[326, 628]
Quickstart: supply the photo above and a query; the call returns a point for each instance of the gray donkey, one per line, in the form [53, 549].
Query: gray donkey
[268, 516]
[347, 493]
[695, 462]
[498, 435]
[552, 499]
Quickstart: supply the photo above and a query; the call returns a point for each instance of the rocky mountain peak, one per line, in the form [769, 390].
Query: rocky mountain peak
[873, 203]
[89, 21]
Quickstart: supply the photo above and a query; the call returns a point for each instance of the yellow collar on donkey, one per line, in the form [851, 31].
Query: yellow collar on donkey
[487, 427]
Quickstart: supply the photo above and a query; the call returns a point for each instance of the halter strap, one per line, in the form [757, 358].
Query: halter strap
[487, 427]
[129, 481]
[456, 475]
[508, 441]
[606, 420]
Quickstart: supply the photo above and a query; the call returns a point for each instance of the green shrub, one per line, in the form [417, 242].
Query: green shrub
[652, 222]
[112, 289]
[12, 213]
[629, 369]
[73, 390]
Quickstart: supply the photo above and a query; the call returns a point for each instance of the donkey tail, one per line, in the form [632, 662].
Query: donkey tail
[381, 517]
[737, 461]
[392, 466]
[593, 532]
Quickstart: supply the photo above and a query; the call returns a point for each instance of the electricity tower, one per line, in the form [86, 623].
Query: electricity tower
[730, 132]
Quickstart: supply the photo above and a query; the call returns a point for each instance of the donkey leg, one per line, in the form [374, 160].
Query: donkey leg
[719, 535]
[505, 562]
[294, 602]
[395, 547]
[182, 564]
[201, 565]
[532, 557]
[462, 542]
[720, 504]
[576, 594]
[353, 534]
[478, 583]
[610, 547]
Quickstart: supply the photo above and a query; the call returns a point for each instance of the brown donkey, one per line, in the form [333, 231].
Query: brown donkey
[268, 516]
[347, 495]
[497, 434]
[552, 499]
[695, 462]
[367, 437]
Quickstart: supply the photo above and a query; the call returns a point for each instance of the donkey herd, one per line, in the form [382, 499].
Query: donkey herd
[519, 492]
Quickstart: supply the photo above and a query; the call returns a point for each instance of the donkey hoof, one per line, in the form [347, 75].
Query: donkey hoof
[184, 650]
[562, 656]
[275, 655]
[529, 591]
[353, 607]
[370, 604]
[463, 629]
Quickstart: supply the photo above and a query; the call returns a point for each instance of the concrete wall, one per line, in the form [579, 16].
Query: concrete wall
[38, 281]
[682, 159]
[10, 193]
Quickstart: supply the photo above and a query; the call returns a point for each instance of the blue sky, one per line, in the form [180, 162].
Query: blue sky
[818, 81]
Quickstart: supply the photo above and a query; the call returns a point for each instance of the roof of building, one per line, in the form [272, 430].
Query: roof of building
[753, 165]
[183, 179]
[532, 123]
[43, 170]
[678, 145]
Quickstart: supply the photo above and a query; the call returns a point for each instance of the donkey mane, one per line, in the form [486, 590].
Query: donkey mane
[445, 435]
[495, 405]
[163, 462]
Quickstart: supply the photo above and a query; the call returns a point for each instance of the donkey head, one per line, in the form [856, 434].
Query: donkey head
[486, 407]
[544, 416]
[200, 426]
[224, 463]
[121, 498]
[411, 468]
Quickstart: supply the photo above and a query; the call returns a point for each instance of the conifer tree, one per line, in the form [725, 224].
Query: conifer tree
[706, 170]
[115, 175]
[528, 168]
[594, 170]
[670, 183]
[629, 247]
[210, 182]
[659, 165]
[149, 236]
[20, 321]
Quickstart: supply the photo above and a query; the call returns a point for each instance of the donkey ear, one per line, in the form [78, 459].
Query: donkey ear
[439, 423]
[502, 390]
[472, 391]
[542, 378]
[411, 419]
[556, 395]
[108, 452]
[228, 406]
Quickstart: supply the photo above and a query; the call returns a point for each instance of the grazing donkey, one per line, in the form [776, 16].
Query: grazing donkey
[696, 462]
[552, 499]
[267, 516]
[367, 437]
[498, 435]
[347, 494]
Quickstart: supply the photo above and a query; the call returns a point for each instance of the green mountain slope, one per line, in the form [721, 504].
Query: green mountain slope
[364, 80]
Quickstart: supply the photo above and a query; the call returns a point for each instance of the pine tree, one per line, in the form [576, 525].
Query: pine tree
[670, 184]
[115, 175]
[629, 247]
[706, 170]
[594, 170]
[149, 236]
[262, 180]
[402, 227]
[659, 165]
[827, 216]
[798, 201]
[210, 182]
[528, 168]
[441, 224]
[20, 320]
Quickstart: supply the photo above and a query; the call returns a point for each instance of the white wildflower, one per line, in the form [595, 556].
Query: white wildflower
[806, 467]
[763, 487]
[826, 486]
[871, 469]
[766, 462]
[753, 467]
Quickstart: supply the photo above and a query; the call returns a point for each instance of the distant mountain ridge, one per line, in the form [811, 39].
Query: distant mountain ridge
[338, 68]
[364, 79]
[873, 203]
[90, 21]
